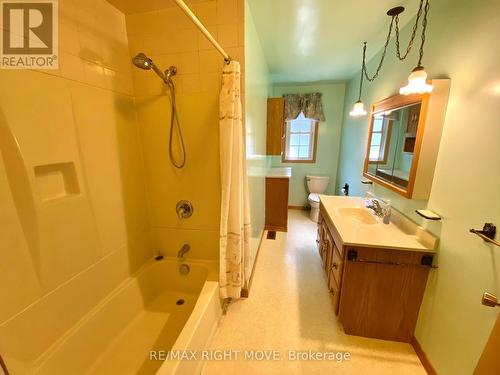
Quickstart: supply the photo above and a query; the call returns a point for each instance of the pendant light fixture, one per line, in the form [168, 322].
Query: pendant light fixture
[417, 80]
[417, 83]
[358, 110]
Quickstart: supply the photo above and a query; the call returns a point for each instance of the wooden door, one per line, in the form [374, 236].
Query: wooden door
[275, 125]
[489, 363]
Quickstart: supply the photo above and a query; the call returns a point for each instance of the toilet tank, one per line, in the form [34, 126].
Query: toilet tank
[317, 184]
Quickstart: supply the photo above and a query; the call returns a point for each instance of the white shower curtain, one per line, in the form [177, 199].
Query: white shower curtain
[235, 208]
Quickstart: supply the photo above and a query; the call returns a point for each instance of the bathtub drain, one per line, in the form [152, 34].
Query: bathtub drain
[180, 302]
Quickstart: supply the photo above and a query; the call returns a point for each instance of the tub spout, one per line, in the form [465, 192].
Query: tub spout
[184, 249]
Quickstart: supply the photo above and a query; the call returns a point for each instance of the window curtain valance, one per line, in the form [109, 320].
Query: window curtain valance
[310, 104]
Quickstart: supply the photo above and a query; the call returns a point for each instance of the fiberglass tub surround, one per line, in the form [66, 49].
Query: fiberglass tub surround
[81, 163]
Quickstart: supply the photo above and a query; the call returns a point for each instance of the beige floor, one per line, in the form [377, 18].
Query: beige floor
[289, 309]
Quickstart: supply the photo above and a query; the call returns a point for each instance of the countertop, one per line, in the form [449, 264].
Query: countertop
[284, 172]
[400, 234]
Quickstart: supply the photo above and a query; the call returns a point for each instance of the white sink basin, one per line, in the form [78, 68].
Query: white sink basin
[359, 214]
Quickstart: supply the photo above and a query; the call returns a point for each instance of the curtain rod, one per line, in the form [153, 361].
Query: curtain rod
[203, 29]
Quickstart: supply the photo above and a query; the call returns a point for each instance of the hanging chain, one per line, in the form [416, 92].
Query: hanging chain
[413, 34]
[360, 85]
[424, 27]
[381, 59]
[395, 23]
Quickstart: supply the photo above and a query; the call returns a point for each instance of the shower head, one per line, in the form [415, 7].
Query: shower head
[142, 61]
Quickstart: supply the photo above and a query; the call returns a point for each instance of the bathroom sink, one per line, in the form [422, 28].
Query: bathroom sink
[360, 214]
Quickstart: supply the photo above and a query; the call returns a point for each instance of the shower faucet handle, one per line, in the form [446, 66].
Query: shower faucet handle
[184, 209]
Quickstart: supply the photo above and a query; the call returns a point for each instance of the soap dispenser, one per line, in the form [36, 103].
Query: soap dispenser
[387, 212]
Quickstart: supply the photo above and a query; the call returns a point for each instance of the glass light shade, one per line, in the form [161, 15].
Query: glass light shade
[416, 83]
[358, 110]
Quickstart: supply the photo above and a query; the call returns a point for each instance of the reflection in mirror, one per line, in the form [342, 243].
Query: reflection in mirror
[392, 144]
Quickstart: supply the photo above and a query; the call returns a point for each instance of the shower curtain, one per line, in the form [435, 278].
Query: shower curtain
[235, 208]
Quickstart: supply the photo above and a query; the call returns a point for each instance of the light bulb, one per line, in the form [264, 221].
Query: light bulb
[416, 83]
[358, 110]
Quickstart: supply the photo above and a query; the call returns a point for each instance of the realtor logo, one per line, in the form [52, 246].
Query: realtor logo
[29, 34]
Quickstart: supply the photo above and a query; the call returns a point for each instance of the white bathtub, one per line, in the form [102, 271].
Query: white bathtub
[140, 316]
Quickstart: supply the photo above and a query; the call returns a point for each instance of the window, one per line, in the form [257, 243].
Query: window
[300, 140]
[379, 145]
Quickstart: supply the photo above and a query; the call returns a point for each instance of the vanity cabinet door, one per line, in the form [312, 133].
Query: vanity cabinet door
[275, 125]
[324, 242]
[334, 292]
[277, 204]
[328, 251]
[336, 265]
[320, 238]
[382, 290]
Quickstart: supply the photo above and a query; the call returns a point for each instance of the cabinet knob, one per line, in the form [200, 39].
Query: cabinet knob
[335, 266]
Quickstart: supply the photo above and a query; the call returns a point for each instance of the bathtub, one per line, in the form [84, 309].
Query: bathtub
[157, 309]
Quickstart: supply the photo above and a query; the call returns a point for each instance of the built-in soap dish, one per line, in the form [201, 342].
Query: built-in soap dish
[56, 181]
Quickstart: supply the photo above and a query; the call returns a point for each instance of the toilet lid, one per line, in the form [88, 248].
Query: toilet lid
[314, 197]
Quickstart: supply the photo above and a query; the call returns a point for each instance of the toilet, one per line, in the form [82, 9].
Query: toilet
[316, 185]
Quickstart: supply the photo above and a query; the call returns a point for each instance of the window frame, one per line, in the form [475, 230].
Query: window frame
[386, 138]
[313, 143]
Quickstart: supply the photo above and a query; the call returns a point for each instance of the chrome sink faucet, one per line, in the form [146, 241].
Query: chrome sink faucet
[184, 249]
[376, 207]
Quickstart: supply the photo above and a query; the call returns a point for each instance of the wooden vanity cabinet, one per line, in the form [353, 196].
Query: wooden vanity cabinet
[276, 204]
[375, 292]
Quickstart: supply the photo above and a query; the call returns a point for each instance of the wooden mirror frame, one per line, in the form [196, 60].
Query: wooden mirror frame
[395, 102]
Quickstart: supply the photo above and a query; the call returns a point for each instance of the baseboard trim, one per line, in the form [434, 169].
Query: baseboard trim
[302, 208]
[245, 292]
[423, 357]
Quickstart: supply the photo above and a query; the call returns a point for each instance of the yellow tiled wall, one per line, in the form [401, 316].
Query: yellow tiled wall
[73, 218]
[170, 38]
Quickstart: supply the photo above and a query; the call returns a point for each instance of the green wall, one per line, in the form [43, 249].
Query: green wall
[327, 153]
[256, 93]
[462, 44]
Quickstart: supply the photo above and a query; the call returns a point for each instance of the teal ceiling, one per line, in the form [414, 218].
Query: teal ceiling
[318, 40]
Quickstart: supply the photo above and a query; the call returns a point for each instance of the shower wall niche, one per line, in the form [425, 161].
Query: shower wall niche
[56, 181]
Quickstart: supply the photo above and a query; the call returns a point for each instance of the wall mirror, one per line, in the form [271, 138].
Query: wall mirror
[403, 141]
